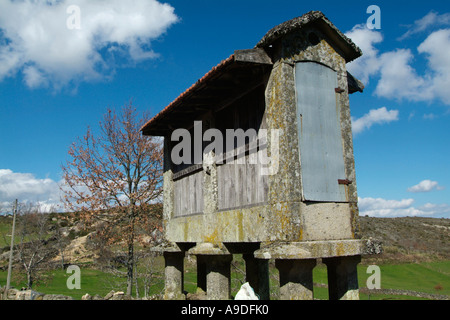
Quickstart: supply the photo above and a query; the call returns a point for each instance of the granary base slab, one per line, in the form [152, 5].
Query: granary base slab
[311, 249]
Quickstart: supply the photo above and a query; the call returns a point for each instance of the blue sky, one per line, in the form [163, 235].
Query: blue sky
[57, 79]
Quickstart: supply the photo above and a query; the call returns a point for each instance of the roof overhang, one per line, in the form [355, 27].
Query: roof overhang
[242, 72]
[229, 80]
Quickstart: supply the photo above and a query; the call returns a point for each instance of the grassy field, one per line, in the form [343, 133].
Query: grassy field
[92, 282]
[405, 239]
[427, 277]
[430, 277]
[5, 231]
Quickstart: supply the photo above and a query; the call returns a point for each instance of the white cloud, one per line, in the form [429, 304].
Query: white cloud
[398, 78]
[379, 207]
[35, 39]
[33, 77]
[379, 203]
[429, 116]
[425, 186]
[432, 19]
[368, 64]
[437, 47]
[26, 188]
[437, 210]
[375, 116]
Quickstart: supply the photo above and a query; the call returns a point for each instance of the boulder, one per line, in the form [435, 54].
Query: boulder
[118, 295]
[87, 296]
[109, 295]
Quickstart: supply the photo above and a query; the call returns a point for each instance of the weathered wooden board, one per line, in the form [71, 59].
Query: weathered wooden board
[241, 184]
[188, 195]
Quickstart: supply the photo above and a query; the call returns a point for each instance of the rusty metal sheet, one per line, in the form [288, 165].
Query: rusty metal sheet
[319, 130]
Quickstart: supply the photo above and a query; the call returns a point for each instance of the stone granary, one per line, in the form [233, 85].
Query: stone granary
[259, 161]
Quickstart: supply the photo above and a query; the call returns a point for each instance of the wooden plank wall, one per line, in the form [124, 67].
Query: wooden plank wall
[241, 185]
[188, 195]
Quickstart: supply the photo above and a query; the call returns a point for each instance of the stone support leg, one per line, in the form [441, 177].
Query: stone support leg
[257, 275]
[342, 277]
[218, 277]
[296, 278]
[174, 275]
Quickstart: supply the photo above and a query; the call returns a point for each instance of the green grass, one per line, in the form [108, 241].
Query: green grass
[5, 233]
[5, 230]
[92, 282]
[421, 277]
[425, 277]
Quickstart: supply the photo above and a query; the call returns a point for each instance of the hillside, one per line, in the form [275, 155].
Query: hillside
[74, 242]
[409, 238]
[404, 239]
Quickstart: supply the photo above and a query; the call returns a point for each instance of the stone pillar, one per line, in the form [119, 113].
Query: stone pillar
[342, 277]
[216, 260]
[218, 277]
[174, 275]
[257, 275]
[296, 278]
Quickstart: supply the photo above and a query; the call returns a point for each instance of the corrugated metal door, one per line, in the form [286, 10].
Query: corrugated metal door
[319, 130]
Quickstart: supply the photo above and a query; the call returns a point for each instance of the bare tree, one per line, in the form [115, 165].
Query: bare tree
[148, 274]
[60, 243]
[33, 249]
[114, 176]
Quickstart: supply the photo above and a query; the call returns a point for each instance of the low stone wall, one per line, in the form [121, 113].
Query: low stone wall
[14, 294]
[117, 295]
[410, 293]
[29, 295]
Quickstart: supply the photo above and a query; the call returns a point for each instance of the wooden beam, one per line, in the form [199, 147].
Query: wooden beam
[257, 55]
[237, 95]
[354, 85]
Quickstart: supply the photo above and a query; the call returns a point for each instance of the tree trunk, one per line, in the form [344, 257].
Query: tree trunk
[29, 279]
[130, 258]
[61, 250]
[136, 280]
